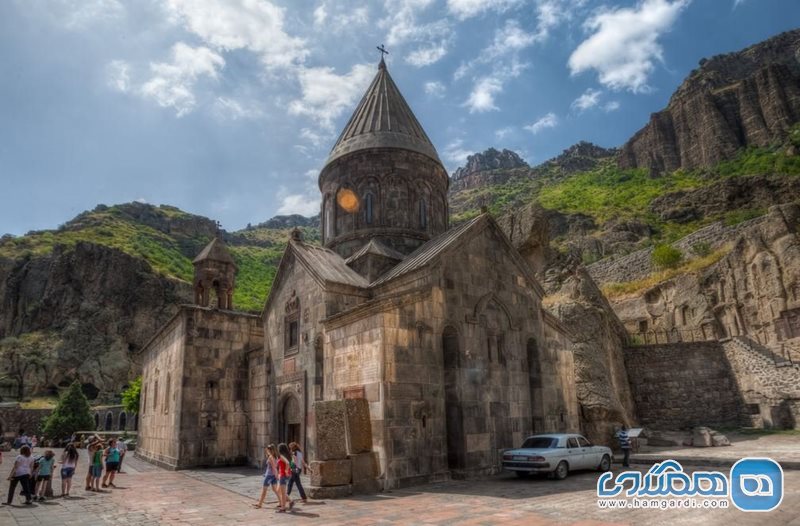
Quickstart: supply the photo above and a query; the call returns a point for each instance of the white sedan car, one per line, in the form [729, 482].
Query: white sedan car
[556, 454]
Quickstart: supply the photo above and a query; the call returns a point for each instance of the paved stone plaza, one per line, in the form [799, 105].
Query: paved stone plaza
[148, 495]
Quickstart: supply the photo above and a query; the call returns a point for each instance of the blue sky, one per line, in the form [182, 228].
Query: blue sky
[228, 108]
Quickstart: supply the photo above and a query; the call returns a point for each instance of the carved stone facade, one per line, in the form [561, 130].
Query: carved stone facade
[441, 331]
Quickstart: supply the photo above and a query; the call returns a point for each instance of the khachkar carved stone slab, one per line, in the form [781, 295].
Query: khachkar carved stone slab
[331, 472]
[359, 427]
[329, 418]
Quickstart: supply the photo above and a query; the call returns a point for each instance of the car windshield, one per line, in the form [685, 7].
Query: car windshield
[539, 443]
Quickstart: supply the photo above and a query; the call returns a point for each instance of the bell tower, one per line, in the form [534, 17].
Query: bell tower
[383, 181]
[214, 276]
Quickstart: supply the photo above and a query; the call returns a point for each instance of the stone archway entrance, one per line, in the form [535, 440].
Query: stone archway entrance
[290, 422]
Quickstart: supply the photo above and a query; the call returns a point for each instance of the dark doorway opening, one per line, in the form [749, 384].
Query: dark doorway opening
[453, 410]
[291, 421]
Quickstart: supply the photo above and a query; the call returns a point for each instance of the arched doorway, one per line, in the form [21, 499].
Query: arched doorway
[290, 422]
[123, 421]
[97, 421]
[453, 411]
[109, 421]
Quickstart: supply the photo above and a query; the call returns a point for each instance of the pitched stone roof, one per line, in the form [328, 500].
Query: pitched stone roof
[383, 119]
[326, 265]
[378, 248]
[427, 252]
[216, 250]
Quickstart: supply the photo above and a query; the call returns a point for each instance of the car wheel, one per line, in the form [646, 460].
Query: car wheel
[522, 474]
[562, 470]
[605, 464]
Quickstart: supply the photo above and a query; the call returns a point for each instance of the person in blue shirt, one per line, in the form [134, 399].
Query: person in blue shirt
[112, 456]
[44, 473]
[625, 445]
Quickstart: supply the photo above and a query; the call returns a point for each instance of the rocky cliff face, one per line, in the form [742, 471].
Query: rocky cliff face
[579, 157]
[103, 304]
[748, 98]
[752, 291]
[602, 384]
[479, 169]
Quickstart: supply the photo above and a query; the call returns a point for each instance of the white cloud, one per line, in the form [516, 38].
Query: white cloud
[317, 138]
[435, 88]
[737, 3]
[229, 25]
[78, 14]
[312, 174]
[548, 121]
[172, 83]
[403, 26]
[610, 106]
[232, 109]
[325, 95]
[455, 153]
[119, 75]
[589, 99]
[481, 99]
[336, 17]
[305, 203]
[463, 9]
[509, 39]
[624, 43]
[141, 200]
[427, 55]
[502, 133]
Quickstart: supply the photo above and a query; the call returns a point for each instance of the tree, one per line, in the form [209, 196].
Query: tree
[666, 256]
[23, 356]
[131, 395]
[72, 413]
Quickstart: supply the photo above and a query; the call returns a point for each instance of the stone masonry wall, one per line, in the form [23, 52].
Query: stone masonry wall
[678, 386]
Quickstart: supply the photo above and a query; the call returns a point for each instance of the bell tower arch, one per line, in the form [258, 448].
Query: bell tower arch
[214, 276]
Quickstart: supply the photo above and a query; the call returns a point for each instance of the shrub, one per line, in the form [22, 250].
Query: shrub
[72, 413]
[666, 256]
[131, 395]
[701, 249]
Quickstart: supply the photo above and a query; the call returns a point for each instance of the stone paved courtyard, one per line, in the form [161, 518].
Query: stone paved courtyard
[148, 495]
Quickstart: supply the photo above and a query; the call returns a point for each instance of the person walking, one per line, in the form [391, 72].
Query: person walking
[21, 473]
[111, 456]
[624, 445]
[69, 461]
[270, 475]
[284, 474]
[45, 473]
[297, 469]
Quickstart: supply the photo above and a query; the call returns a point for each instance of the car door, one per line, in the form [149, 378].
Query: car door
[591, 458]
[574, 454]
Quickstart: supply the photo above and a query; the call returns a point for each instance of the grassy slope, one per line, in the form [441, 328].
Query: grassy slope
[166, 254]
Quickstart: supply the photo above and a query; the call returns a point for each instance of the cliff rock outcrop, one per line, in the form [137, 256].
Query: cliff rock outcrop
[748, 98]
[479, 170]
[573, 297]
[753, 291]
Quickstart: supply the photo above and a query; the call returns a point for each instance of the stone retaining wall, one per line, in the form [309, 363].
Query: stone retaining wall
[638, 265]
[682, 385]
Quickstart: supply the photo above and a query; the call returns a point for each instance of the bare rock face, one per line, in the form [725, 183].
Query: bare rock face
[748, 292]
[103, 304]
[748, 98]
[602, 384]
[480, 166]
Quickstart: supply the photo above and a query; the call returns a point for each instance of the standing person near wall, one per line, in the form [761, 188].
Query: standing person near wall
[69, 461]
[96, 456]
[624, 445]
[89, 452]
[21, 473]
[122, 447]
[44, 474]
[298, 468]
[111, 456]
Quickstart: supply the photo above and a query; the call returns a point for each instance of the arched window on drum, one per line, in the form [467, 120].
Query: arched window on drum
[423, 214]
[369, 204]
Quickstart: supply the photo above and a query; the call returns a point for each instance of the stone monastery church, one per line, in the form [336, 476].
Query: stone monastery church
[440, 329]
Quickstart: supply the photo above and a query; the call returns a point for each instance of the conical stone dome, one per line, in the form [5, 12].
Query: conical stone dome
[383, 180]
[383, 119]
